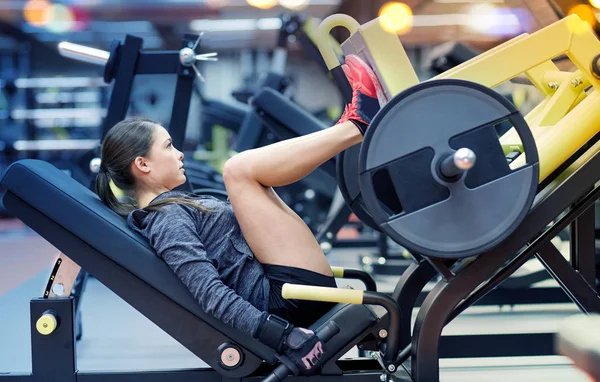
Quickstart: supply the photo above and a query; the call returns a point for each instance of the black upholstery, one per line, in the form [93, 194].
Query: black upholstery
[74, 220]
[293, 120]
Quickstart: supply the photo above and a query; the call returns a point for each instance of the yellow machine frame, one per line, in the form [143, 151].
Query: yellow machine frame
[563, 122]
[567, 118]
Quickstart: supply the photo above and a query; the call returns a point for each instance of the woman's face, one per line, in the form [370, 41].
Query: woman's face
[165, 161]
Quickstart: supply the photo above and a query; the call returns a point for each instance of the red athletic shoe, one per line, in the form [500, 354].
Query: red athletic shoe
[366, 90]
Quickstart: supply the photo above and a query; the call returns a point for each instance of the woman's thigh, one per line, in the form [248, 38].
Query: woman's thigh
[274, 232]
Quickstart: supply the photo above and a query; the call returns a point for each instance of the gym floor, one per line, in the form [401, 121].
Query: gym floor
[117, 337]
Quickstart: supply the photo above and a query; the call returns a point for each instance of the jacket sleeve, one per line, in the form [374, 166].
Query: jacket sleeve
[174, 237]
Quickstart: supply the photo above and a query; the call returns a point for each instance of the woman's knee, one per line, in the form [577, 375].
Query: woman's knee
[237, 169]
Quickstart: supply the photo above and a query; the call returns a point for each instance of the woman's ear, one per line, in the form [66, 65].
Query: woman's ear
[140, 164]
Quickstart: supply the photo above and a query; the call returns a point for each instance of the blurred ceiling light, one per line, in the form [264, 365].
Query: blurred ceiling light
[262, 4]
[81, 17]
[469, 1]
[395, 17]
[482, 16]
[595, 3]
[60, 19]
[488, 19]
[231, 25]
[296, 5]
[585, 13]
[35, 12]
[215, 3]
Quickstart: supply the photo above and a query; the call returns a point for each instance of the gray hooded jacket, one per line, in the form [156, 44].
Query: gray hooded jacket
[208, 252]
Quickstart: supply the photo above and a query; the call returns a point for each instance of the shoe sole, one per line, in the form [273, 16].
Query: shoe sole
[357, 61]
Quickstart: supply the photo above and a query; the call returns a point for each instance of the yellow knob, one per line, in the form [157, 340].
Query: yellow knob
[46, 324]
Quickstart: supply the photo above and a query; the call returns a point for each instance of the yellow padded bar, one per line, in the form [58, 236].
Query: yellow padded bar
[558, 143]
[314, 293]
[338, 272]
[311, 28]
[322, 39]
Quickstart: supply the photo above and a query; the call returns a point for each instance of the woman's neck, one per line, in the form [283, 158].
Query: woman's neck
[144, 197]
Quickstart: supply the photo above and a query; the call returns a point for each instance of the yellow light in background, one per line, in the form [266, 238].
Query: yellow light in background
[395, 17]
[35, 12]
[60, 19]
[262, 4]
[296, 5]
[585, 13]
[595, 3]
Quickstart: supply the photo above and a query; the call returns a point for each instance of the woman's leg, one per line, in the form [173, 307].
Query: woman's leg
[274, 232]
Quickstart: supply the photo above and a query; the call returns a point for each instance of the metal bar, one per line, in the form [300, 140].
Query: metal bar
[582, 294]
[395, 316]
[67, 113]
[441, 268]
[355, 243]
[163, 62]
[62, 277]
[408, 290]
[58, 82]
[497, 345]
[123, 83]
[515, 296]
[366, 278]
[56, 145]
[583, 246]
[83, 53]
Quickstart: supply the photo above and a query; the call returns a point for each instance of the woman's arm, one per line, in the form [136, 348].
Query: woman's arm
[174, 237]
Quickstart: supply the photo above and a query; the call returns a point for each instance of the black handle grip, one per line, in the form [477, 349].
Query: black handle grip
[325, 334]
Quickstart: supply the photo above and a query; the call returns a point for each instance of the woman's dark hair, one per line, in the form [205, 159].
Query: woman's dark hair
[127, 140]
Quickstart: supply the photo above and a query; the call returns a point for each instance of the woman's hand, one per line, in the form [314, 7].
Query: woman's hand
[304, 349]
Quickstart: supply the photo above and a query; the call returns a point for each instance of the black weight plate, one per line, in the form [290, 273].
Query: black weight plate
[347, 176]
[403, 148]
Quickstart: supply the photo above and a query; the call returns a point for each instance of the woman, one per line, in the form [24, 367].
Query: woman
[235, 256]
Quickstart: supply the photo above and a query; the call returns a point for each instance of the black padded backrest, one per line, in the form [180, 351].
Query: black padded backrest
[55, 196]
[74, 220]
[81, 212]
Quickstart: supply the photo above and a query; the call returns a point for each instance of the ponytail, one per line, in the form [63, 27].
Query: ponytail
[107, 196]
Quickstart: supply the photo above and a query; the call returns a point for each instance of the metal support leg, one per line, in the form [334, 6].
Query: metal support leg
[52, 354]
[412, 282]
[572, 282]
[438, 308]
[583, 246]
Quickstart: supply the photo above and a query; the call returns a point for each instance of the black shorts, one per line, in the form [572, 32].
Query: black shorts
[300, 313]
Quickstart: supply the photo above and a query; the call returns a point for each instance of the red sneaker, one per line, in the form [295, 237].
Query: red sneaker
[366, 90]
